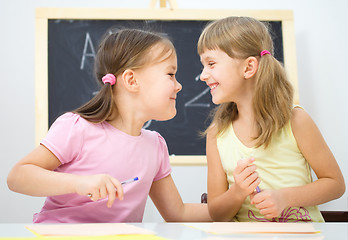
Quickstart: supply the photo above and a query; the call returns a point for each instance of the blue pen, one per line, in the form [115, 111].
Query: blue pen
[122, 183]
[130, 180]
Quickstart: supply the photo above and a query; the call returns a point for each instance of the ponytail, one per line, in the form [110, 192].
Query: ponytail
[273, 99]
[100, 107]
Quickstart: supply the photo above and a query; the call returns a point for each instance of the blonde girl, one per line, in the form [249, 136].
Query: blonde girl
[258, 139]
[88, 152]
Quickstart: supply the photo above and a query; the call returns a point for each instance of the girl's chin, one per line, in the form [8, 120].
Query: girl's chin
[167, 116]
[216, 101]
[219, 100]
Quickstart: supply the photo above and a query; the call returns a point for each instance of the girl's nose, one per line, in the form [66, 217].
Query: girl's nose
[203, 76]
[178, 86]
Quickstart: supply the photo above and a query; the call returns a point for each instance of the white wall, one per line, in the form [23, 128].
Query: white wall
[321, 48]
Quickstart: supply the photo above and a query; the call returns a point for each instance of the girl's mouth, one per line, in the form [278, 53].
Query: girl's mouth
[213, 85]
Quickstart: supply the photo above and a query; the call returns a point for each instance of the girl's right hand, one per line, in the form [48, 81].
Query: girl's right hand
[98, 187]
[245, 176]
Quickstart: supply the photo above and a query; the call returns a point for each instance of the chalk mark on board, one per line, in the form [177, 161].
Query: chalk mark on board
[147, 124]
[88, 42]
[191, 103]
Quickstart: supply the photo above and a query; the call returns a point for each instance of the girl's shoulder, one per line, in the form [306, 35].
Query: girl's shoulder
[69, 117]
[299, 116]
[70, 120]
[300, 121]
[212, 131]
[73, 118]
[154, 136]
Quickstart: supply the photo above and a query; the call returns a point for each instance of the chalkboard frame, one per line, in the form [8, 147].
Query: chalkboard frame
[42, 16]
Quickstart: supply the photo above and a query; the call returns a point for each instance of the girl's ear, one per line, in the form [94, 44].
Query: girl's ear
[251, 65]
[129, 80]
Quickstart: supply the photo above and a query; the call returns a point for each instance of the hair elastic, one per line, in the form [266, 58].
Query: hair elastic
[109, 78]
[264, 52]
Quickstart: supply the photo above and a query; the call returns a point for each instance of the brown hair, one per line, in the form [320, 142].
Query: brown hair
[242, 37]
[120, 50]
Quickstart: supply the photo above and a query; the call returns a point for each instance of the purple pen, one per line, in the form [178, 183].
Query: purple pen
[258, 189]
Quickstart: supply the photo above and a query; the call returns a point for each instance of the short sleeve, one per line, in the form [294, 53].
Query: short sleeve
[163, 155]
[64, 138]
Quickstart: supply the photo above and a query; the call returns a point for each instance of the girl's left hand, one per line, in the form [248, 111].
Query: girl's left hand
[270, 202]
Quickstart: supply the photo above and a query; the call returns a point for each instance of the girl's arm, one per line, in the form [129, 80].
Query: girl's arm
[34, 176]
[167, 200]
[330, 184]
[225, 202]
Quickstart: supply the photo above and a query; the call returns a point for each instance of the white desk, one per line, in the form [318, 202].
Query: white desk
[334, 231]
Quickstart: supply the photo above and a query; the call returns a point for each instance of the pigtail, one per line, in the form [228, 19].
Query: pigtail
[273, 99]
[100, 107]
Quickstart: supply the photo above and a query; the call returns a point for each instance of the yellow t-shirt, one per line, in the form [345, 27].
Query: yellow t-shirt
[280, 165]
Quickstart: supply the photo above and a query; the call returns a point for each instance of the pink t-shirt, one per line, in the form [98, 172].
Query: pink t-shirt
[86, 148]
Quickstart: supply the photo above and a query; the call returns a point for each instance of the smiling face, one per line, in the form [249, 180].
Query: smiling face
[224, 75]
[159, 86]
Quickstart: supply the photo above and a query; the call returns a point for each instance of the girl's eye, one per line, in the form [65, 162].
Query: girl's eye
[211, 63]
[171, 74]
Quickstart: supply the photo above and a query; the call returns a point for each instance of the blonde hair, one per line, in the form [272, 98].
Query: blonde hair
[118, 51]
[240, 38]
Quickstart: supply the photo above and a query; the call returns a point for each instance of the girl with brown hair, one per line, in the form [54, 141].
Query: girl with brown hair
[86, 154]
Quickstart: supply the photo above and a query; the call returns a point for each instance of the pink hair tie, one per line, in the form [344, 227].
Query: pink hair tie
[109, 78]
[264, 52]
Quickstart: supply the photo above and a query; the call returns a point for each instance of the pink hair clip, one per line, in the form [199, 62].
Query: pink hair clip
[109, 78]
[264, 52]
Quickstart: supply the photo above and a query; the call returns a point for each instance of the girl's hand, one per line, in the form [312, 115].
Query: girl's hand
[271, 203]
[98, 187]
[245, 177]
